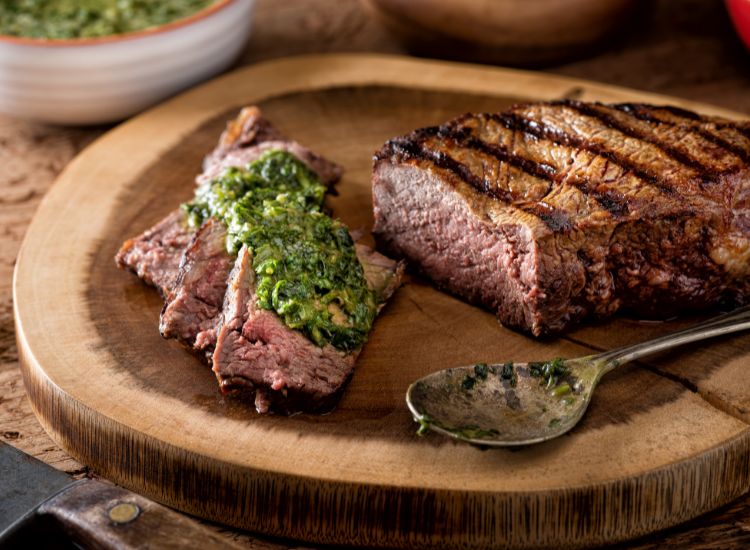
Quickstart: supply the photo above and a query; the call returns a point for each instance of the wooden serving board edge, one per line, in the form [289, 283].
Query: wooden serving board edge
[137, 461]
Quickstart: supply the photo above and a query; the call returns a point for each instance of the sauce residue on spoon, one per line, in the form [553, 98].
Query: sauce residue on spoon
[514, 400]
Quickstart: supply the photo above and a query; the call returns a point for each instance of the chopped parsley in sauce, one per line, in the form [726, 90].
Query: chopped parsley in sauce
[66, 19]
[305, 263]
[549, 371]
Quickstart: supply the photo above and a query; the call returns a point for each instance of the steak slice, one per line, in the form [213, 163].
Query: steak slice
[155, 255]
[193, 304]
[552, 212]
[248, 128]
[256, 352]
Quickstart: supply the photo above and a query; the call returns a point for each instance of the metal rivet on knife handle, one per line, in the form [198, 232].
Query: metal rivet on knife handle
[124, 512]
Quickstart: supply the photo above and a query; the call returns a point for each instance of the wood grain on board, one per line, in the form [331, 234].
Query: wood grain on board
[143, 412]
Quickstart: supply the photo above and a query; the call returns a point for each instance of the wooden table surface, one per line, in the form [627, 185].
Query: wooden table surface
[678, 47]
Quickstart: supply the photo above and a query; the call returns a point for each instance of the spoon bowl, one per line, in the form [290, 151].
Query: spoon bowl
[512, 404]
[505, 404]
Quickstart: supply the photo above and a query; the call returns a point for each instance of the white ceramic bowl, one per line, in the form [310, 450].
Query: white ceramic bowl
[97, 80]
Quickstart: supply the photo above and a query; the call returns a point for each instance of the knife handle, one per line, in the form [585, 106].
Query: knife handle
[102, 516]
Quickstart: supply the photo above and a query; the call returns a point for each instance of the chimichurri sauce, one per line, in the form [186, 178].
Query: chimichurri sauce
[65, 19]
[304, 261]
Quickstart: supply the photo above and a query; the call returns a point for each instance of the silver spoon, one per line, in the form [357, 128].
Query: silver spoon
[510, 404]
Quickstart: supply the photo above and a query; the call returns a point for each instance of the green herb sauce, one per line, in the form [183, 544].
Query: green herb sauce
[550, 371]
[65, 19]
[481, 370]
[304, 261]
[509, 374]
[468, 432]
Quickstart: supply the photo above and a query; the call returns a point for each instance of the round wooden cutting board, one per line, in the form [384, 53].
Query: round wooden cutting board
[663, 441]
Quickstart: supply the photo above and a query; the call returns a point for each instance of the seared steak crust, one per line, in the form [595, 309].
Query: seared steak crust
[551, 212]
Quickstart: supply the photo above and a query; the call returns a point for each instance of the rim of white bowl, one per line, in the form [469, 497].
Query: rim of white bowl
[206, 12]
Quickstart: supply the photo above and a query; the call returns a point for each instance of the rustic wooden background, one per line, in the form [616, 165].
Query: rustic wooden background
[678, 47]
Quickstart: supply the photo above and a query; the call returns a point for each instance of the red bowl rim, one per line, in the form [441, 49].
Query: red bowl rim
[167, 27]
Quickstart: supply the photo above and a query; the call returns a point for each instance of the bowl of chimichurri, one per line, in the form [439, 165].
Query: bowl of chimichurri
[99, 61]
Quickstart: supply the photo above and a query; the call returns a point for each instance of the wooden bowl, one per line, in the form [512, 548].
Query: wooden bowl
[512, 32]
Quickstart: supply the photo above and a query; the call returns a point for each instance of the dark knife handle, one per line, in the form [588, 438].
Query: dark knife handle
[102, 516]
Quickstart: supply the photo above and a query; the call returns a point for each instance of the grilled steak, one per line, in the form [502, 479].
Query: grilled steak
[210, 293]
[552, 212]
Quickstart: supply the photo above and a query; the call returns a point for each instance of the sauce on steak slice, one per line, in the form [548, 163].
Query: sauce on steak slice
[171, 255]
[193, 304]
[552, 212]
[257, 353]
[155, 255]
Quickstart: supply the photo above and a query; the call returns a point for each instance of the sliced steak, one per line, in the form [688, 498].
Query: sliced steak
[248, 128]
[257, 353]
[211, 304]
[195, 302]
[552, 212]
[155, 254]
[189, 315]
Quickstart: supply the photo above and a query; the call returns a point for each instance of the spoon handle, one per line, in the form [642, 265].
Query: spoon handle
[734, 321]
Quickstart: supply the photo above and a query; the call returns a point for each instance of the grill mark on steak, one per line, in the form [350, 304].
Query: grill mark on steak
[554, 218]
[690, 120]
[616, 204]
[741, 127]
[540, 130]
[613, 203]
[719, 123]
[464, 138]
[594, 110]
[680, 112]
[646, 115]
[413, 147]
